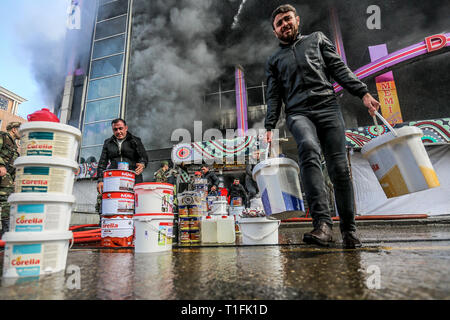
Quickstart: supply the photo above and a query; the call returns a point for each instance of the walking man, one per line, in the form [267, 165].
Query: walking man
[299, 75]
[8, 154]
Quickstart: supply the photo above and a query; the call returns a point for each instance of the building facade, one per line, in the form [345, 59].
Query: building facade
[9, 106]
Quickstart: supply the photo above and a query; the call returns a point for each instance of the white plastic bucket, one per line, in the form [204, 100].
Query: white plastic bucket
[152, 197]
[278, 182]
[153, 233]
[259, 231]
[40, 212]
[115, 203]
[118, 180]
[33, 254]
[117, 231]
[45, 174]
[50, 139]
[400, 162]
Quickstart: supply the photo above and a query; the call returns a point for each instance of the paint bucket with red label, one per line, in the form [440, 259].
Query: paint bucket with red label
[153, 197]
[114, 203]
[153, 232]
[117, 231]
[118, 180]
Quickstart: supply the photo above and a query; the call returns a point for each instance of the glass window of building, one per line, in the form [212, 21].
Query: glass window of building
[90, 154]
[102, 109]
[112, 9]
[3, 103]
[106, 87]
[111, 27]
[109, 46]
[96, 133]
[107, 66]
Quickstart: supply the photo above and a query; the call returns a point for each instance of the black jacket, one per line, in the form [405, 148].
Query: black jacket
[299, 74]
[213, 180]
[238, 191]
[132, 151]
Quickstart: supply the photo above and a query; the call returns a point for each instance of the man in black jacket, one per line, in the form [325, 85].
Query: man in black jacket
[299, 74]
[122, 147]
[237, 190]
[213, 180]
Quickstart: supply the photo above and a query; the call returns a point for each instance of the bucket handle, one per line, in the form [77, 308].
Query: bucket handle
[264, 236]
[157, 230]
[384, 122]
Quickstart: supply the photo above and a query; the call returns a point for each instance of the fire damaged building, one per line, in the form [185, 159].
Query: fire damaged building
[165, 65]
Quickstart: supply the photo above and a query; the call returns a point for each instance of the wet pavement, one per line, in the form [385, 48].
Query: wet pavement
[396, 262]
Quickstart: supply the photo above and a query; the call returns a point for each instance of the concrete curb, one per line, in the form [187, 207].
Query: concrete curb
[435, 220]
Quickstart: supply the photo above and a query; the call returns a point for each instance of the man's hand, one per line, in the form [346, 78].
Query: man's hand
[213, 188]
[139, 168]
[100, 187]
[2, 171]
[268, 138]
[371, 103]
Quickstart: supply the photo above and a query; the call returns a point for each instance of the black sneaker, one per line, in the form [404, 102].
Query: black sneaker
[350, 240]
[321, 236]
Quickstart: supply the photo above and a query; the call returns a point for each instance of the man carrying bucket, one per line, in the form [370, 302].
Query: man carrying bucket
[8, 154]
[122, 147]
[299, 74]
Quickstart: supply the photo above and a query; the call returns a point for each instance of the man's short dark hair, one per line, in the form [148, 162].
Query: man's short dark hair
[118, 120]
[282, 9]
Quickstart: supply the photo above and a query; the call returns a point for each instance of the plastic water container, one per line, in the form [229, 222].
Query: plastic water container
[209, 229]
[400, 162]
[225, 230]
[33, 254]
[40, 212]
[259, 231]
[45, 174]
[278, 182]
[50, 139]
[153, 233]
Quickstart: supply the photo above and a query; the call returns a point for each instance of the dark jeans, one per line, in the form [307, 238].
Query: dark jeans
[322, 128]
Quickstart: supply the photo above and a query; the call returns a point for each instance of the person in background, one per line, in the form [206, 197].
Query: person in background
[299, 75]
[237, 191]
[8, 154]
[213, 181]
[250, 185]
[162, 174]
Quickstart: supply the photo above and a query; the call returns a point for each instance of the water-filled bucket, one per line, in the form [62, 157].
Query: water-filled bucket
[153, 197]
[34, 254]
[50, 139]
[118, 180]
[153, 233]
[45, 174]
[40, 212]
[117, 231]
[400, 162]
[259, 231]
[115, 203]
[278, 182]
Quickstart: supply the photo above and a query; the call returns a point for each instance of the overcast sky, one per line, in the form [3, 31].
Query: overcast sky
[24, 24]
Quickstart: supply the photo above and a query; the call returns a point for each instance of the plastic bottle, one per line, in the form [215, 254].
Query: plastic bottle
[209, 229]
[225, 230]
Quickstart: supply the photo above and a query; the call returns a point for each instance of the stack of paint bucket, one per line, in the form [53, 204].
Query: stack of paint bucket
[153, 219]
[117, 228]
[41, 207]
[191, 208]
